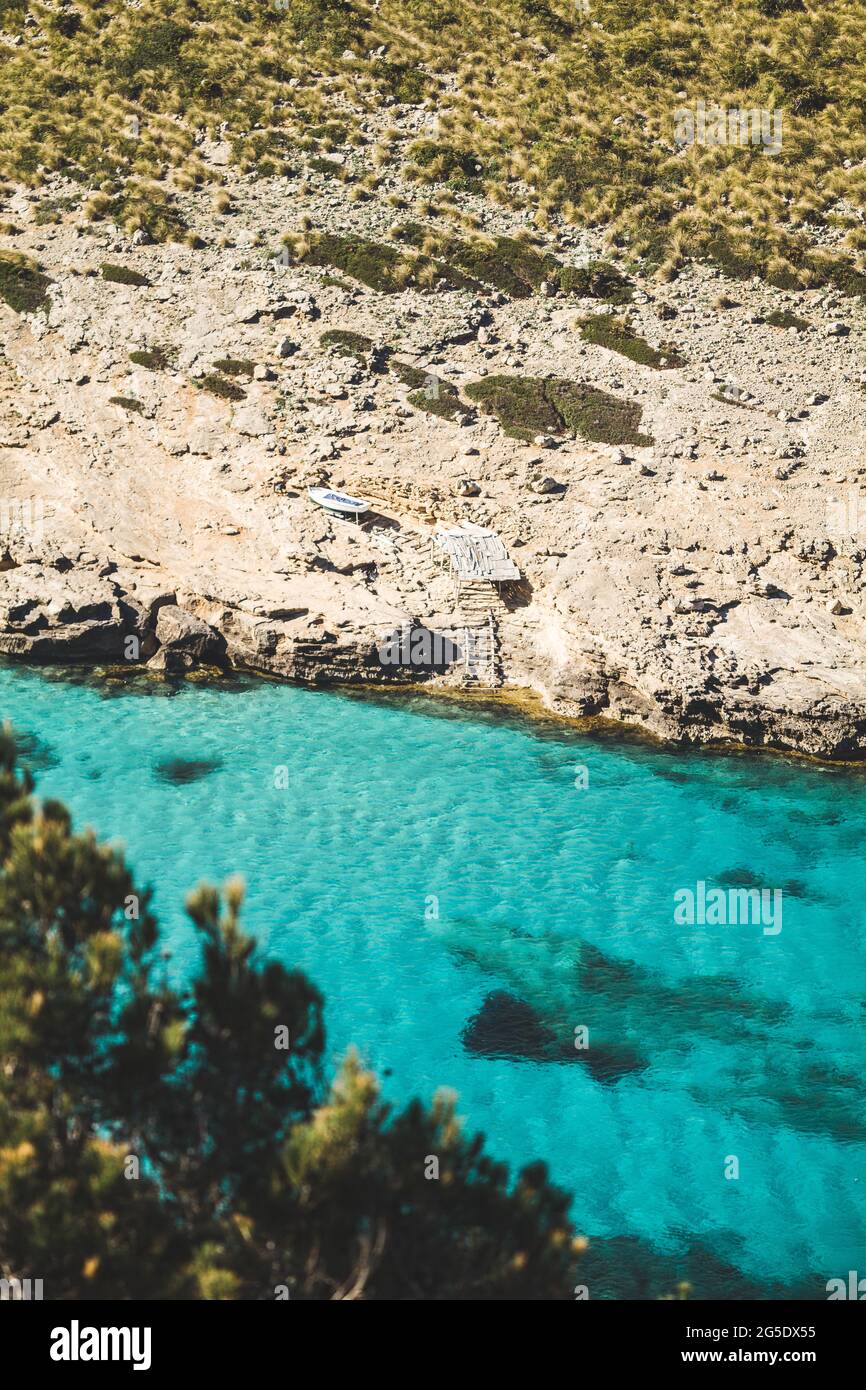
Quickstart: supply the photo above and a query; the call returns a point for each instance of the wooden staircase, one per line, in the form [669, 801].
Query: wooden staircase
[477, 598]
[482, 666]
[408, 556]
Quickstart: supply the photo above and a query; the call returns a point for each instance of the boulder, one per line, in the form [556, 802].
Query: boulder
[185, 641]
[252, 421]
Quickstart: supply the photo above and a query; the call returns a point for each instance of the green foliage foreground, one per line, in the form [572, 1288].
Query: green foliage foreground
[252, 1181]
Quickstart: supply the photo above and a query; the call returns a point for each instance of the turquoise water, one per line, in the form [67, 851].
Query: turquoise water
[418, 860]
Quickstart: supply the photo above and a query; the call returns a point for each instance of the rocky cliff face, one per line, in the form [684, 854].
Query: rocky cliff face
[157, 440]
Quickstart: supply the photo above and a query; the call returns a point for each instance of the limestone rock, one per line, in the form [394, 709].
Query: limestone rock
[251, 420]
[185, 641]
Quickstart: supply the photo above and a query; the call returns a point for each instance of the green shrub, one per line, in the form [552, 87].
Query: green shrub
[382, 267]
[597, 280]
[527, 406]
[155, 46]
[501, 262]
[235, 366]
[22, 285]
[218, 386]
[404, 81]
[347, 344]
[783, 318]
[615, 334]
[155, 359]
[122, 275]
[445, 161]
[326, 166]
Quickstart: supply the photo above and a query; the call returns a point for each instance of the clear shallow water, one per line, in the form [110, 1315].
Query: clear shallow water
[743, 1044]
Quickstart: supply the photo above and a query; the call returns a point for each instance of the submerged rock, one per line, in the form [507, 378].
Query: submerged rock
[36, 752]
[507, 1027]
[611, 1062]
[181, 771]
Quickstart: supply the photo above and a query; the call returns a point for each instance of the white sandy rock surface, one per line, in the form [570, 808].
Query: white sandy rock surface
[710, 586]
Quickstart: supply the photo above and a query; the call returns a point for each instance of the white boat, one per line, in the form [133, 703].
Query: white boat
[337, 501]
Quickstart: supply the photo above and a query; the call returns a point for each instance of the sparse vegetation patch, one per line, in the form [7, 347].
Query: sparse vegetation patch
[218, 385]
[347, 344]
[22, 284]
[122, 275]
[428, 391]
[516, 267]
[52, 210]
[783, 318]
[615, 334]
[377, 265]
[732, 396]
[140, 208]
[156, 359]
[235, 366]
[527, 406]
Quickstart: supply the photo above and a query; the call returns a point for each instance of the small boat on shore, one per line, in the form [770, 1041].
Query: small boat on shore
[338, 502]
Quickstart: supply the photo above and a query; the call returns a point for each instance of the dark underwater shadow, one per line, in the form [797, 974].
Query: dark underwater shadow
[35, 753]
[546, 987]
[114, 683]
[180, 772]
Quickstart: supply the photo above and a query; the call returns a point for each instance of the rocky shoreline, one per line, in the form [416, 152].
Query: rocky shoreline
[164, 410]
[97, 626]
